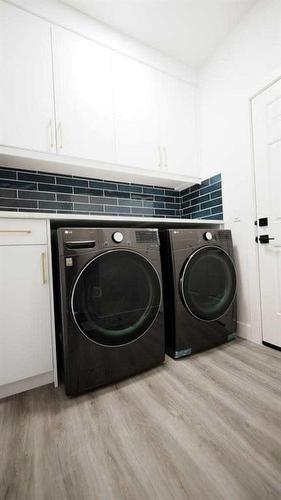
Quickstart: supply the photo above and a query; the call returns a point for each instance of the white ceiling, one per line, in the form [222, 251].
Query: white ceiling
[188, 30]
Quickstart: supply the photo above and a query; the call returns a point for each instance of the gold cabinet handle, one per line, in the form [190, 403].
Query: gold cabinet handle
[160, 157]
[26, 231]
[165, 157]
[51, 134]
[43, 264]
[60, 135]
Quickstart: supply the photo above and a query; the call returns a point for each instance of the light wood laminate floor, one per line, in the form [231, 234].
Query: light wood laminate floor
[204, 427]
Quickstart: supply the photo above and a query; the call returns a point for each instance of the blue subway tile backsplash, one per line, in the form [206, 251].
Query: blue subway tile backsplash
[40, 192]
[202, 201]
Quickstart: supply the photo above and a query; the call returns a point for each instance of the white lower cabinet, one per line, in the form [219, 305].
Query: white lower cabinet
[26, 324]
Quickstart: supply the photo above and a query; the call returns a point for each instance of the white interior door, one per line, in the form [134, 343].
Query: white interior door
[266, 109]
[83, 94]
[26, 85]
[136, 101]
[178, 126]
[25, 333]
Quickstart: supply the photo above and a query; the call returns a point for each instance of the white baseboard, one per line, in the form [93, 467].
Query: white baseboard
[26, 384]
[246, 331]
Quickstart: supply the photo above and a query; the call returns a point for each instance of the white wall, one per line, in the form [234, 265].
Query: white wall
[249, 59]
[63, 15]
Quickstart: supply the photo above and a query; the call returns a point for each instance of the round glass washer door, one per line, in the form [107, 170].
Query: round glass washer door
[116, 297]
[208, 283]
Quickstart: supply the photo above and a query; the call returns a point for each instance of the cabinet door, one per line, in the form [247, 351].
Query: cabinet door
[178, 126]
[25, 334]
[83, 94]
[26, 97]
[136, 100]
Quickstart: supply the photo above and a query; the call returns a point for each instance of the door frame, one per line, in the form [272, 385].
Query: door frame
[258, 308]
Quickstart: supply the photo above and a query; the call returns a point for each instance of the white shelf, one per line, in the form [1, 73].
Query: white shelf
[59, 164]
[107, 218]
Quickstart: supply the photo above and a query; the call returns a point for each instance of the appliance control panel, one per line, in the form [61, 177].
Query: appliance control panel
[75, 240]
[147, 236]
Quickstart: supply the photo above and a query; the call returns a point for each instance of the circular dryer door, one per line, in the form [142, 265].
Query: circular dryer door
[208, 283]
[116, 297]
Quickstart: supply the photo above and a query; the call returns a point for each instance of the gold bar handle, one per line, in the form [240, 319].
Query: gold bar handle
[43, 264]
[26, 231]
[51, 134]
[165, 157]
[60, 134]
[160, 157]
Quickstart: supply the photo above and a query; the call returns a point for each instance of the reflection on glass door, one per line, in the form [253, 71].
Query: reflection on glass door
[116, 297]
[208, 283]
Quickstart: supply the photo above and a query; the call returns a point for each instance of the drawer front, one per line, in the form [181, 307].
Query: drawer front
[23, 232]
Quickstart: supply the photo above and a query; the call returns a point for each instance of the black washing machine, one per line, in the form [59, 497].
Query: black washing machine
[112, 323]
[199, 282]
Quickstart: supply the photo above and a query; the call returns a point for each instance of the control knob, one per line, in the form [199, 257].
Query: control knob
[117, 237]
[208, 236]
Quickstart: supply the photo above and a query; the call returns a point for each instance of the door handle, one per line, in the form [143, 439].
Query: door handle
[264, 238]
[43, 265]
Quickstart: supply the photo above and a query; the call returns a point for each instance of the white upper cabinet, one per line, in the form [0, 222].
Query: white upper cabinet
[155, 119]
[83, 96]
[99, 113]
[136, 90]
[178, 126]
[26, 95]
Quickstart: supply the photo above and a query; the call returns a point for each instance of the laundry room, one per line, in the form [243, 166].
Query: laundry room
[140, 254]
